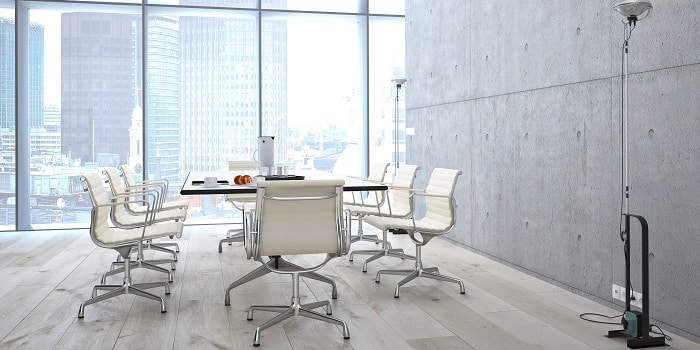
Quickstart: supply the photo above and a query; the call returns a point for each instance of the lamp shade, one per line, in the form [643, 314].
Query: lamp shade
[399, 81]
[632, 9]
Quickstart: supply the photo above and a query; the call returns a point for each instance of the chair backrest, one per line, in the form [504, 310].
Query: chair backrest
[377, 172]
[100, 218]
[299, 217]
[115, 181]
[242, 165]
[439, 201]
[129, 178]
[400, 196]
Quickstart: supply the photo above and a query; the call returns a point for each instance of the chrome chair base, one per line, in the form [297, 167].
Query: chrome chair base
[360, 236]
[397, 253]
[233, 235]
[126, 287]
[278, 263]
[295, 309]
[412, 274]
[135, 264]
[419, 271]
[161, 247]
[157, 247]
[119, 289]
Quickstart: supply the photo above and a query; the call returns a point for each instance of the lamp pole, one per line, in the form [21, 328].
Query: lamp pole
[631, 10]
[636, 325]
[398, 82]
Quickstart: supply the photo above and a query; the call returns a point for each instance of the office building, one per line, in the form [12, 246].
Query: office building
[98, 75]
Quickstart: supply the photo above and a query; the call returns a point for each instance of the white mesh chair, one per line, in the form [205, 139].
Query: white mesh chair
[240, 201]
[398, 204]
[133, 212]
[161, 187]
[122, 238]
[364, 200]
[297, 218]
[158, 185]
[439, 219]
[377, 173]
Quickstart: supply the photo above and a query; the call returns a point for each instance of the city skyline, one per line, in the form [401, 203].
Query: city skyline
[205, 95]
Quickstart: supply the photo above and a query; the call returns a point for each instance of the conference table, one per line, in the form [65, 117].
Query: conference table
[194, 185]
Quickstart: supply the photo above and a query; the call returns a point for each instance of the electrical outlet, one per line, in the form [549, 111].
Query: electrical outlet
[618, 293]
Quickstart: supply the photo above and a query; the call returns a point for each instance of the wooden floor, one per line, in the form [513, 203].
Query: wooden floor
[44, 276]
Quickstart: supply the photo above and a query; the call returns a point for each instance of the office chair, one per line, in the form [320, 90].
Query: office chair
[297, 218]
[122, 238]
[398, 204]
[361, 201]
[438, 220]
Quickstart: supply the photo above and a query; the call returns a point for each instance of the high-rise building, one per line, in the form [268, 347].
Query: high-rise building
[220, 88]
[98, 77]
[7, 77]
[7, 74]
[163, 127]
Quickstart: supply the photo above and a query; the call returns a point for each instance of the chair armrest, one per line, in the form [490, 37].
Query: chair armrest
[161, 185]
[116, 203]
[424, 194]
[124, 199]
[158, 196]
[161, 189]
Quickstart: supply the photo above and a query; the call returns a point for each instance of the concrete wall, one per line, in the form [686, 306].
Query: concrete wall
[525, 98]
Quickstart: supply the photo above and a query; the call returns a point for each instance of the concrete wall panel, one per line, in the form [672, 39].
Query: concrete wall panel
[442, 73]
[537, 132]
[524, 45]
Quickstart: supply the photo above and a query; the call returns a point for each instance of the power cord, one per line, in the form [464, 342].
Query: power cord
[586, 314]
[660, 332]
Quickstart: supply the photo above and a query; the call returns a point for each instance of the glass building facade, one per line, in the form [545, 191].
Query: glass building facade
[169, 86]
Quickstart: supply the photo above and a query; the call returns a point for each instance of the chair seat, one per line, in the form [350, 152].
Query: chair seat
[424, 225]
[175, 204]
[161, 215]
[133, 235]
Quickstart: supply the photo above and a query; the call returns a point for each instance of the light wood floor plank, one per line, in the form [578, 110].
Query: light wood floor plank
[46, 275]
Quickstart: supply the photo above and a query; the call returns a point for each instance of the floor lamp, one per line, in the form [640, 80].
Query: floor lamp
[636, 324]
[398, 82]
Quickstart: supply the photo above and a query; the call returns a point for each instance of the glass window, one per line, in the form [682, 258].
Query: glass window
[312, 89]
[386, 105]
[351, 6]
[387, 7]
[207, 3]
[84, 87]
[201, 69]
[190, 91]
[7, 116]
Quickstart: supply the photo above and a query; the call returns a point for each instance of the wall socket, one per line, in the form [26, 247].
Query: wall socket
[618, 293]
